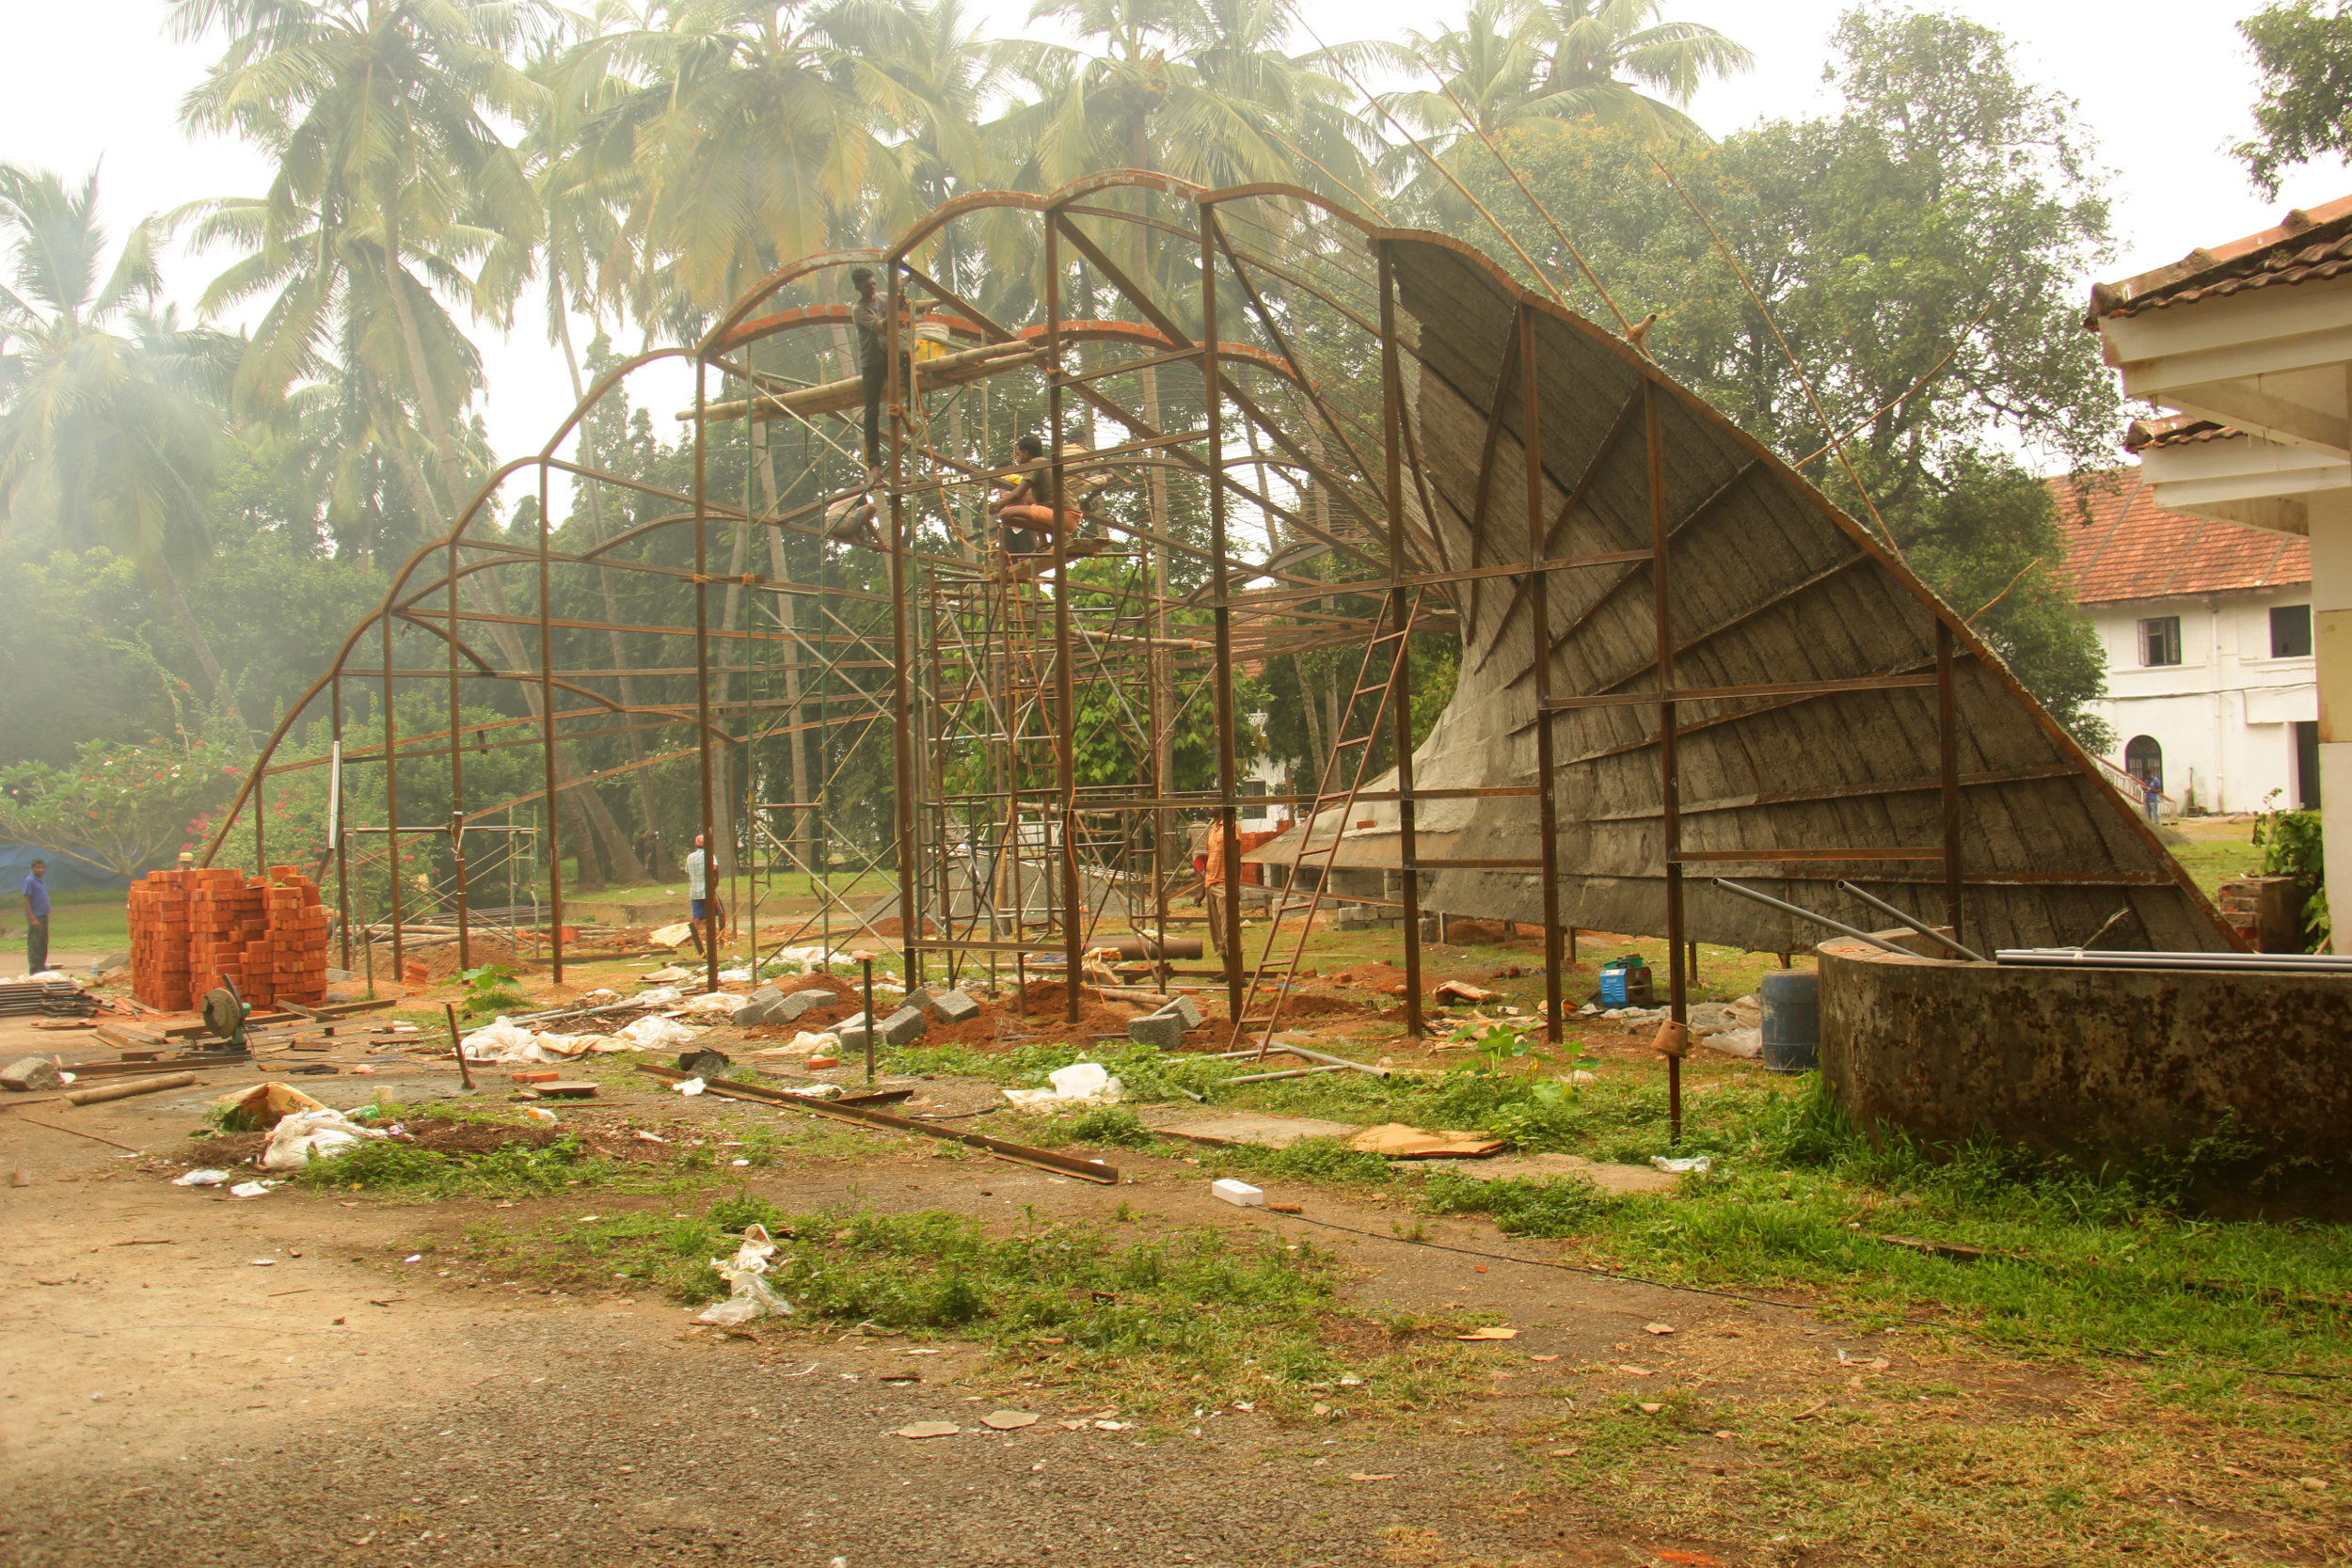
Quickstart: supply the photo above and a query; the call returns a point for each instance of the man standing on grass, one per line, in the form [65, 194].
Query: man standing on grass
[701, 905]
[37, 919]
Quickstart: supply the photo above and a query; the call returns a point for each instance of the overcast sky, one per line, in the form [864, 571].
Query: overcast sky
[2162, 97]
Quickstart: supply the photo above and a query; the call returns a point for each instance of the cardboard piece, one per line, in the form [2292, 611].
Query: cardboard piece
[1261, 1131]
[1396, 1141]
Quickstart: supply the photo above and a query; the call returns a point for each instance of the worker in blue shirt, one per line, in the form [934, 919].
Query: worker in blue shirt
[37, 919]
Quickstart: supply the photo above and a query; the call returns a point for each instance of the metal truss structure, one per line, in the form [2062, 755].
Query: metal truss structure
[1270, 426]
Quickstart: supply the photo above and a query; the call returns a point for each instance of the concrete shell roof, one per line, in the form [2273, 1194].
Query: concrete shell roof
[1769, 583]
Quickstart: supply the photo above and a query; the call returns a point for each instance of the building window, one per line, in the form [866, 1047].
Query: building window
[2291, 632]
[2160, 640]
[1251, 786]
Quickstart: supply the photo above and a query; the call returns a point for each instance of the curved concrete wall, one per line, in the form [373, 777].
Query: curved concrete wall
[2100, 1066]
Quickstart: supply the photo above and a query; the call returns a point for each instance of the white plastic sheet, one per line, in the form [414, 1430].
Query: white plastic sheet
[1080, 1083]
[307, 1135]
[501, 1041]
[658, 1034]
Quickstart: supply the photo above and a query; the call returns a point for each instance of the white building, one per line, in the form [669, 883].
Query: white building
[2250, 343]
[2207, 627]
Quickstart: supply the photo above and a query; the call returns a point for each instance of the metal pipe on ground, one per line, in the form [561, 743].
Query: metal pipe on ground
[1291, 1073]
[124, 1091]
[1020, 1154]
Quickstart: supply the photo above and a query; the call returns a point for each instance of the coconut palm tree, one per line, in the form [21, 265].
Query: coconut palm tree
[734, 134]
[1198, 88]
[1514, 61]
[379, 114]
[110, 420]
[331, 346]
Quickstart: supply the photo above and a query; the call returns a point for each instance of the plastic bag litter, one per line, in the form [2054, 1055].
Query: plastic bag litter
[262, 1105]
[200, 1178]
[1080, 1083]
[659, 996]
[735, 974]
[501, 1041]
[658, 1034]
[689, 1085]
[601, 996]
[712, 1002]
[310, 1135]
[252, 1188]
[798, 960]
[1698, 1164]
[750, 1296]
[1736, 1042]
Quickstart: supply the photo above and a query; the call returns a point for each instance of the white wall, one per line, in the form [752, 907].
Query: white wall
[2224, 714]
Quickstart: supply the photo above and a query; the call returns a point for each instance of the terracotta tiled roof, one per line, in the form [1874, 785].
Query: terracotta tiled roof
[2176, 430]
[2132, 548]
[2305, 247]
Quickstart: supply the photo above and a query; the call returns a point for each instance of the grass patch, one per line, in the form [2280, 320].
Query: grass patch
[393, 1168]
[1568, 1207]
[1875, 1476]
[2109, 1264]
[1165, 1320]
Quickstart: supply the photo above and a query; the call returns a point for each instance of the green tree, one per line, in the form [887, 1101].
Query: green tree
[109, 427]
[1935, 229]
[123, 808]
[379, 114]
[2303, 51]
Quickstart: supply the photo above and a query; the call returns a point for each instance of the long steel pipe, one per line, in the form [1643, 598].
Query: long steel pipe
[1819, 919]
[1914, 922]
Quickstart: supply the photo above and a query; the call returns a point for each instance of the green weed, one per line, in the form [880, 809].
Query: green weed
[516, 1170]
[1173, 1318]
[1566, 1207]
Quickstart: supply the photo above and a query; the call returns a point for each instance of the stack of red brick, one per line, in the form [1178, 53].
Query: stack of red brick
[193, 929]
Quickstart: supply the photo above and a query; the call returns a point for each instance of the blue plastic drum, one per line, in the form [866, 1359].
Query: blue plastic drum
[1793, 1018]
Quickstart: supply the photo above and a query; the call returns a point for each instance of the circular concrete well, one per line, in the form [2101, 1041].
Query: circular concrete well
[2247, 1074]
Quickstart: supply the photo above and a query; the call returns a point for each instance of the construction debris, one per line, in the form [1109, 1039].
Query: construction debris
[1042, 1159]
[56, 994]
[1394, 1140]
[31, 1075]
[1257, 1131]
[124, 1090]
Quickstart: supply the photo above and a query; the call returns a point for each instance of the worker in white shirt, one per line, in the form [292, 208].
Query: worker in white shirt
[701, 905]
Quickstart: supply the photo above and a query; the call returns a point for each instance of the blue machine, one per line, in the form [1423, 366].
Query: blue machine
[1625, 982]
